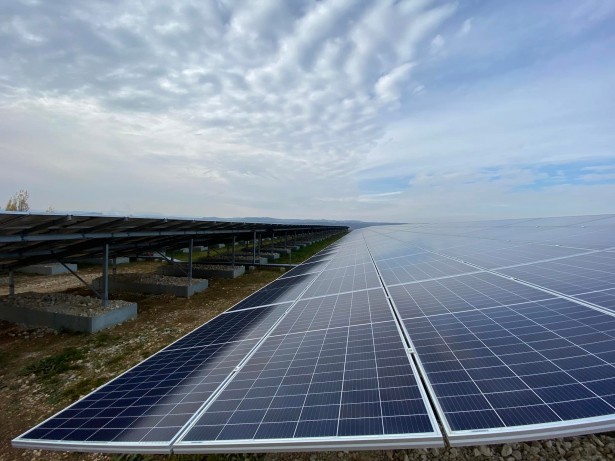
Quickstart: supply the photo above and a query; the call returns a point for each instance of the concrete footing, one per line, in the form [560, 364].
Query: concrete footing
[238, 260]
[222, 273]
[99, 261]
[47, 269]
[181, 291]
[62, 321]
[283, 251]
[264, 254]
[196, 249]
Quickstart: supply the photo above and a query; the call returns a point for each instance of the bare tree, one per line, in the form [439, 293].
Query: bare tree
[18, 202]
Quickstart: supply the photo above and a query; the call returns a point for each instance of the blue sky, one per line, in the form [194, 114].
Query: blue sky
[396, 111]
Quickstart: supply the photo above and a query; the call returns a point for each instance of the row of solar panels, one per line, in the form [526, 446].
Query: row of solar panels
[27, 238]
[344, 351]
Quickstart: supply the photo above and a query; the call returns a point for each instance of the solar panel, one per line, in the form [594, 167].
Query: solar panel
[144, 408]
[508, 367]
[573, 275]
[278, 291]
[507, 326]
[461, 293]
[333, 370]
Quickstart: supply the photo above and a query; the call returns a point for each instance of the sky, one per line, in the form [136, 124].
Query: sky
[401, 111]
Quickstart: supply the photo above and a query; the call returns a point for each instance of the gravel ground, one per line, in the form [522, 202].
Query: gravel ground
[155, 279]
[590, 448]
[215, 267]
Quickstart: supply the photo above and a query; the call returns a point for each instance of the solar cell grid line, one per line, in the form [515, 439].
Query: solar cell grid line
[464, 292]
[543, 367]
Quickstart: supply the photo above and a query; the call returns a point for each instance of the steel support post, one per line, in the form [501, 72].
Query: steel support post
[233, 264]
[190, 248]
[11, 284]
[260, 244]
[254, 248]
[105, 276]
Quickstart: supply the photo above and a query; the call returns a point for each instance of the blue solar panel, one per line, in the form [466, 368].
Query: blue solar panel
[335, 384]
[455, 294]
[577, 274]
[342, 310]
[344, 279]
[306, 268]
[511, 255]
[603, 298]
[278, 291]
[422, 266]
[146, 406]
[233, 326]
[540, 362]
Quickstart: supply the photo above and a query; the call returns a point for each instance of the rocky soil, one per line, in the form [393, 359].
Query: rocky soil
[154, 279]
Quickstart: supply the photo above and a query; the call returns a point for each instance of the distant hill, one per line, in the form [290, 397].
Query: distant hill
[316, 222]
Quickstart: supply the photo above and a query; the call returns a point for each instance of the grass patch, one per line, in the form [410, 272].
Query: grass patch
[54, 365]
[83, 387]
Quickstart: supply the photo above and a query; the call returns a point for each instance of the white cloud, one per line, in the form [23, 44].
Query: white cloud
[465, 28]
[437, 44]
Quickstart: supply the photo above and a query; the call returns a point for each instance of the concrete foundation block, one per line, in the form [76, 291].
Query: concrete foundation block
[222, 273]
[180, 291]
[62, 321]
[47, 269]
[119, 260]
[283, 251]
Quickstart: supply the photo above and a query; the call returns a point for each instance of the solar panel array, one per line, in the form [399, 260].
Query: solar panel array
[494, 331]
